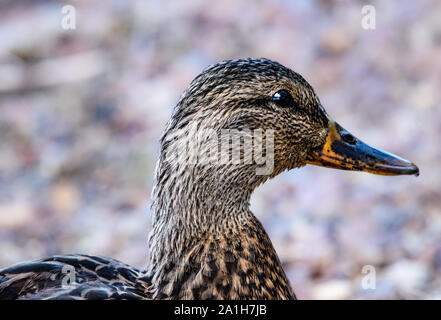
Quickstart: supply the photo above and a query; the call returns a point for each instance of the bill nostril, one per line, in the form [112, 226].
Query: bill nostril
[348, 138]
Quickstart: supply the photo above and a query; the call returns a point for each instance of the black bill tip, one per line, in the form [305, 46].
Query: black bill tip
[342, 150]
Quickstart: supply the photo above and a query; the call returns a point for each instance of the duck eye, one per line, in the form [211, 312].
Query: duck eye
[283, 98]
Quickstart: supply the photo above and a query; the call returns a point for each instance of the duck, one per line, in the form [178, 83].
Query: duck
[239, 123]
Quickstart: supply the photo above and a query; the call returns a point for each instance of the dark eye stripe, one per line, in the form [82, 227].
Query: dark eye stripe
[283, 99]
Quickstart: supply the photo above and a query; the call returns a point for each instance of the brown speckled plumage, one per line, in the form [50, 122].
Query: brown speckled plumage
[205, 242]
[240, 264]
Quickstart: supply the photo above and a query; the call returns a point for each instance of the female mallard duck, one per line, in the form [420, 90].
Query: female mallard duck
[205, 242]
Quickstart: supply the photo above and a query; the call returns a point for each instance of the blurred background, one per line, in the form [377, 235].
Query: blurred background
[81, 112]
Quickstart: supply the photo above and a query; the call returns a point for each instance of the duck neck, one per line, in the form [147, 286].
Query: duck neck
[189, 203]
[203, 228]
[195, 192]
[205, 241]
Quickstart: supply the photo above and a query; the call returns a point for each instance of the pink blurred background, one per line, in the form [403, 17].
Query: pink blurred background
[81, 112]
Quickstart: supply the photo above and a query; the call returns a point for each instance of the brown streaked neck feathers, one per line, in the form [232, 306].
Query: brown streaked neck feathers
[205, 240]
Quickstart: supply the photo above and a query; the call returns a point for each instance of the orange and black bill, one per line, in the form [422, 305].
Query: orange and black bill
[342, 150]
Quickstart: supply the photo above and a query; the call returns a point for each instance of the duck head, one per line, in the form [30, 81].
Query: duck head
[232, 116]
[260, 101]
[248, 95]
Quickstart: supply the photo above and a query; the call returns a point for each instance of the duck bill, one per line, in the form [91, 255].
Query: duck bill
[343, 151]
